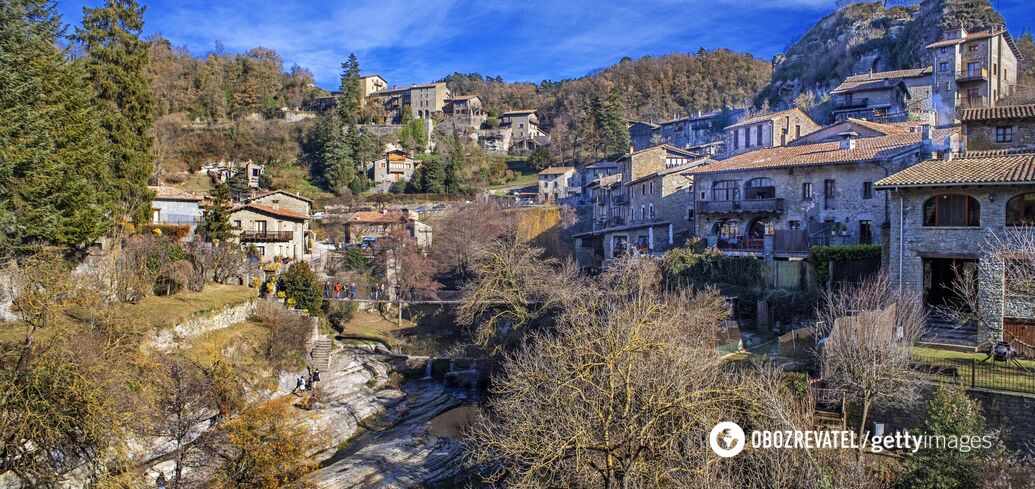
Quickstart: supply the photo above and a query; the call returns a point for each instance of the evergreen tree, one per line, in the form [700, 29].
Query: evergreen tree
[412, 136]
[457, 164]
[350, 100]
[239, 185]
[217, 216]
[611, 125]
[54, 177]
[302, 285]
[433, 176]
[949, 413]
[540, 158]
[116, 64]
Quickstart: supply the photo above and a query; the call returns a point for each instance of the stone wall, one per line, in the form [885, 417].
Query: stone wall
[980, 135]
[202, 323]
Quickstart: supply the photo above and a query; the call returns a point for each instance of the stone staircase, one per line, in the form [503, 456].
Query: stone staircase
[941, 333]
[321, 355]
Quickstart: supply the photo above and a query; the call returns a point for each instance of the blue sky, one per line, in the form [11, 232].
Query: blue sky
[413, 41]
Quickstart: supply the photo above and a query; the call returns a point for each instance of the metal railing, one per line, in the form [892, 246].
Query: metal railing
[266, 235]
[975, 374]
[972, 74]
[855, 103]
[747, 205]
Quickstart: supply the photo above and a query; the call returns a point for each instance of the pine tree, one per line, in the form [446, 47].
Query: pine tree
[53, 153]
[457, 165]
[116, 65]
[239, 185]
[433, 176]
[351, 97]
[216, 226]
[611, 123]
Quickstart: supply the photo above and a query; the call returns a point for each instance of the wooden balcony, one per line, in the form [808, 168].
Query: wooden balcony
[762, 206]
[972, 74]
[266, 236]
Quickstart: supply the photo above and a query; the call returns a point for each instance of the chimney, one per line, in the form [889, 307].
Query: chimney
[927, 146]
[848, 139]
[950, 147]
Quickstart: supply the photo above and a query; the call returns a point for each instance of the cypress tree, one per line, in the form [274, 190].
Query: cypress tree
[116, 65]
[351, 97]
[53, 153]
[433, 176]
[457, 163]
[216, 225]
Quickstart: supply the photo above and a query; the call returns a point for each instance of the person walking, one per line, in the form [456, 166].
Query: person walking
[352, 291]
[299, 384]
[160, 482]
[316, 375]
[337, 290]
[308, 383]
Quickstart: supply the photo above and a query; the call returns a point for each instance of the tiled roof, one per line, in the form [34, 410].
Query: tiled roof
[463, 97]
[173, 193]
[366, 217]
[276, 211]
[676, 169]
[648, 123]
[666, 147]
[827, 153]
[603, 164]
[1018, 168]
[522, 111]
[880, 126]
[971, 36]
[606, 180]
[767, 117]
[873, 80]
[557, 170]
[282, 192]
[1000, 112]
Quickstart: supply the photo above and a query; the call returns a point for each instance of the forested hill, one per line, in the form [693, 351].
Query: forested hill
[649, 88]
[869, 35]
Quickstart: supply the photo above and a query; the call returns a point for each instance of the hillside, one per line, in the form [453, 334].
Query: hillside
[865, 36]
[649, 88]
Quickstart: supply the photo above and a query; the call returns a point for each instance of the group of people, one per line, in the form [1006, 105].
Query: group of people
[306, 383]
[339, 291]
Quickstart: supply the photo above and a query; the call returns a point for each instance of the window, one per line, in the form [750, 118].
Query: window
[1020, 210]
[690, 214]
[747, 137]
[726, 229]
[726, 190]
[760, 188]
[650, 207]
[643, 189]
[943, 66]
[758, 135]
[1004, 134]
[828, 194]
[650, 187]
[942, 51]
[736, 139]
[951, 210]
[865, 232]
[806, 191]
[797, 131]
[793, 225]
[867, 190]
[704, 196]
[260, 250]
[237, 223]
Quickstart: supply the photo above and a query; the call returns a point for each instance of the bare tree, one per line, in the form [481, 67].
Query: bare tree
[466, 232]
[868, 351]
[184, 403]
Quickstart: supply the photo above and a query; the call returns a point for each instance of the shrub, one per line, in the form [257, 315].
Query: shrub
[340, 313]
[288, 333]
[821, 256]
[300, 283]
[691, 267]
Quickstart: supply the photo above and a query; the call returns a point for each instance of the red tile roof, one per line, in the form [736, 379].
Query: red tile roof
[767, 117]
[872, 80]
[173, 193]
[371, 217]
[966, 170]
[971, 36]
[282, 192]
[1000, 112]
[827, 153]
[556, 170]
[276, 211]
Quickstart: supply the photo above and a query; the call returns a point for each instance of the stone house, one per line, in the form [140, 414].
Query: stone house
[396, 166]
[280, 199]
[887, 96]
[971, 70]
[999, 128]
[467, 110]
[943, 212]
[557, 184]
[222, 172]
[366, 226]
[174, 207]
[275, 232]
[641, 133]
[587, 175]
[371, 83]
[425, 101]
[616, 224]
[779, 202]
[768, 131]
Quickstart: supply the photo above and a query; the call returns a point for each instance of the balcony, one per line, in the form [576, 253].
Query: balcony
[849, 104]
[266, 236]
[972, 102]
[972, 74]
[771, 206]
[620, 199]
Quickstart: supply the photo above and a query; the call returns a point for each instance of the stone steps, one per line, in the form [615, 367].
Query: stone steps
[321, 354]
[940, 333]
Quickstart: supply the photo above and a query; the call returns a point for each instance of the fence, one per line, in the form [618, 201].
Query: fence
[973, 373]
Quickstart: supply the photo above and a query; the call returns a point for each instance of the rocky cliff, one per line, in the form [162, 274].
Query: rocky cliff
[869, 36]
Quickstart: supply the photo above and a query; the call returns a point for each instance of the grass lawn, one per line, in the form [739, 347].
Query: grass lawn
[168, 311]
[198, 183]
[373, 325]
[246, 337]
[295, 179]
[526, 175]
[960, 367]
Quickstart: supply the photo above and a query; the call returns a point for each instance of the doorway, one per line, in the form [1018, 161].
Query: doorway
[942, 277]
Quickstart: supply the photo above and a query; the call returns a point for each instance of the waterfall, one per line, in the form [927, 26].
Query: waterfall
[427, 369]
